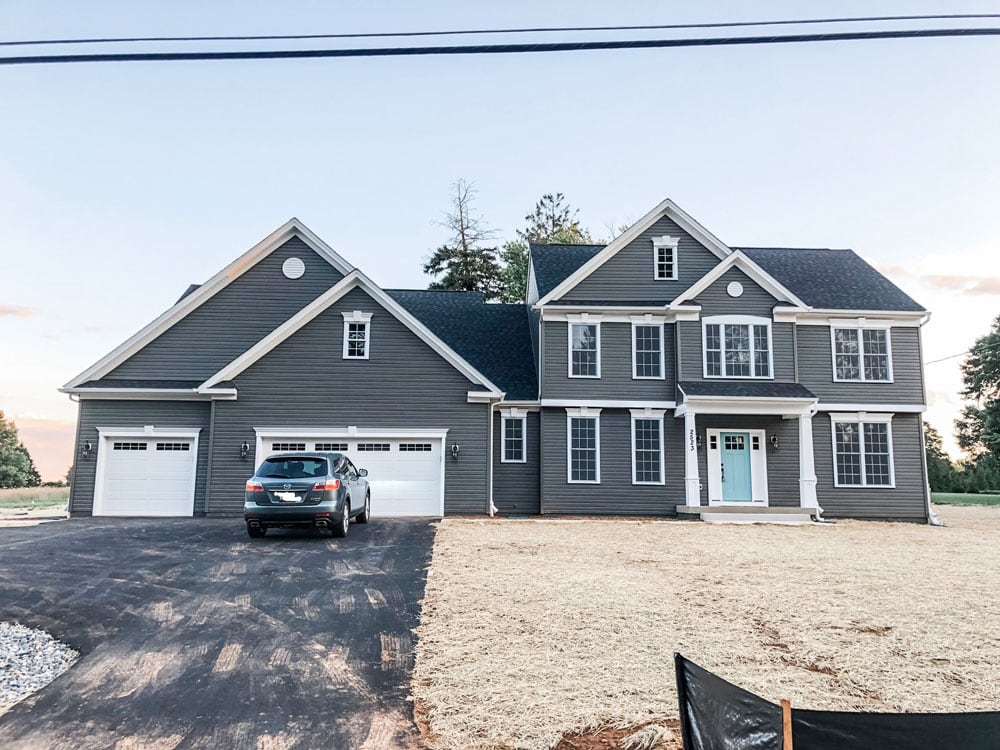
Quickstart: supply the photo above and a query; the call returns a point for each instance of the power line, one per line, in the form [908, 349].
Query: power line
[535, 30]
[974, 349]
[486, 49]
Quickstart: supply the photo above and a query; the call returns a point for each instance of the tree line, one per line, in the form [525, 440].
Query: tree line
[978, 427]
[16, 467]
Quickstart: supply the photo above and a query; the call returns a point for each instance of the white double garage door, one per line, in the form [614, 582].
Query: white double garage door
[154, 475]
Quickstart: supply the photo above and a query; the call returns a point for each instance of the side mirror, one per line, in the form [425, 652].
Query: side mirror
[362, 472]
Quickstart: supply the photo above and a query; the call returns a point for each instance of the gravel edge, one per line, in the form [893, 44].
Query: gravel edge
[29, 660]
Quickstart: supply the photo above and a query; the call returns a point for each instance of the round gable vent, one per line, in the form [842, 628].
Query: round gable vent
[735, 289]
[293, 268]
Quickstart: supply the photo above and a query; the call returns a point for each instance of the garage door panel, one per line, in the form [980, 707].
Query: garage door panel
[140, 480]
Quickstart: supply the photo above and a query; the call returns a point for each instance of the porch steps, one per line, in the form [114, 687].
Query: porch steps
[737, 514]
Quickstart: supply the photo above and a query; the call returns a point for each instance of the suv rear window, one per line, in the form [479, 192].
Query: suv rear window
[293, 468]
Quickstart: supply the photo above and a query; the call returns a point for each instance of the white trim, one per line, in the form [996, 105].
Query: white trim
[358, 318]
[859, 419]
[894, 408]
[583, 320]
[355, 279]
[742, 320]
[666, 208]
[292, 228]
[583, 413]
[807, 465]
[757, 274]
[648, 415]
[606, 404]
[806, 316]
[614, 314]
[758, 468]
[514, 415]
[105, 435]
[482, 397]
[648, 321]
[857, 325]
[692, 480]
[150, 394]
[733, 405]
[665, 243]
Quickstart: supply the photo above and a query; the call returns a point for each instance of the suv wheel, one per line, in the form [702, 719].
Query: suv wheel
[340, 530]
[366, 513]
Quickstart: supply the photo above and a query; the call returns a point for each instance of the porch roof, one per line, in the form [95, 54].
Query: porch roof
[745, 397]
[744, 389]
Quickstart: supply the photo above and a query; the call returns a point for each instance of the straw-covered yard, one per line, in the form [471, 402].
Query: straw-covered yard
[532, 629]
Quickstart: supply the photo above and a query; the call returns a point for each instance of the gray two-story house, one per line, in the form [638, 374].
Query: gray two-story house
[663, 374]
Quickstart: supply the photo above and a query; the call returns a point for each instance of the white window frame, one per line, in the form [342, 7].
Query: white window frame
[583, 412]
[655, 415]
[513, 415]
[860, 325]
[665, 243]
[648, 321]
[357, 317]
[582, 320]
[747, 320]
[860, 418]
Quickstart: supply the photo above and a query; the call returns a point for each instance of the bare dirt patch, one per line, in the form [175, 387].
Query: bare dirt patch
[532, 631]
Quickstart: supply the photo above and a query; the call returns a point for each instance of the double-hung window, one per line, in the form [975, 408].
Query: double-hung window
[738, 347]
[583, 441]
[665, 258]
[647, 350]
[861, 354]
[357, 334]
[512, 448]
[862, 450]
[584, 350]
[647, 446]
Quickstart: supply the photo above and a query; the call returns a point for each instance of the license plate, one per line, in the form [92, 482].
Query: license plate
[288, 497]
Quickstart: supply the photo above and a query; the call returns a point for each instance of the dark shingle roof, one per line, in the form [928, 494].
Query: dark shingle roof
[191, 288]
[553, 263]
[745, 388]
[831, 279]
[493, 338]
[158, 384]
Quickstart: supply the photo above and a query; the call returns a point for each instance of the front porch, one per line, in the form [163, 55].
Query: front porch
[748, 452]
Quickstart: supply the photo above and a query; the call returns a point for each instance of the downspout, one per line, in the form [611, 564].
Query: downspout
[211, 455]
[491, 509]
[932, 518]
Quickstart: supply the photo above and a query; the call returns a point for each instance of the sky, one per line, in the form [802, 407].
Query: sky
[120, 184]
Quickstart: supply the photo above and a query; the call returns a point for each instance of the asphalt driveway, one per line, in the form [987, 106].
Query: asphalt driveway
[192, 635]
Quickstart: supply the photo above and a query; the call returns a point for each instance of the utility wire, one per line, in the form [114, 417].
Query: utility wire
[536, 30]
[480, 49]
[973, 350]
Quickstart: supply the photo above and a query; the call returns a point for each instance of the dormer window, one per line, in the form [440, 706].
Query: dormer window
[737, 346]
[357, 330]
[665, 258]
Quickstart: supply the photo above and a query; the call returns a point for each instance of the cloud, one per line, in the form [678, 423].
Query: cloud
[16, 311]
[948, 282]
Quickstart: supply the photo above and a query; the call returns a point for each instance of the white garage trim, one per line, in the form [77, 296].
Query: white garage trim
[106, 434]
[356, 433]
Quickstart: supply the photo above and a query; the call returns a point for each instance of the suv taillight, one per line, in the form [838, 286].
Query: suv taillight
[254, 486]
[332, 484]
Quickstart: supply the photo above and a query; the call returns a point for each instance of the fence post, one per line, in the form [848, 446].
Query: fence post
[786, 724]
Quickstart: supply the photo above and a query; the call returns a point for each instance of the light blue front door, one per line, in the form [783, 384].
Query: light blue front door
[736, 484]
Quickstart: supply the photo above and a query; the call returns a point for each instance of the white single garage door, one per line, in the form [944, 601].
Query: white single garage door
[405, 474]
[147, 477]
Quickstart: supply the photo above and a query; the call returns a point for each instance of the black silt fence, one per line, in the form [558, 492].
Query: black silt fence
[717, 715]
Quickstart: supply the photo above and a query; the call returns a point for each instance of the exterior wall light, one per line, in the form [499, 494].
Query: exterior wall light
[774, 443]
[88, 447]
[454, 451]
[698, 441]
[244, 450]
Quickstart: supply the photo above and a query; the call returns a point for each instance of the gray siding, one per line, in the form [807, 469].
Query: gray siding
[305, 383]
[715, 300]
[134, 415]
[616, 366]
[236, 318]
[628, 275]
[816, 369]
[515, 486]
[905, 501]
[782, 464]
[691, 364]
[615, 495]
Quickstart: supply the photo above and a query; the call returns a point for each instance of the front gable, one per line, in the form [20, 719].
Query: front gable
[735, 293]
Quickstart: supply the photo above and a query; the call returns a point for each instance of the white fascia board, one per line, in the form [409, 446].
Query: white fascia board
[894, 408]
[839, 318]
[355, 279]
[291, 228]
[483, 397]
[139, 394]
[155, 432]
[743, 262]
[609, 314]
[667, 208]
[745, 405]
[571, 403]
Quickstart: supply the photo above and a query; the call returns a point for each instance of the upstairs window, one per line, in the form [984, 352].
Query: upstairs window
[647, 351]
[862, 354]
[584, 350]
[862, 448]
[665, 258]
[357, 329]
[737, 349]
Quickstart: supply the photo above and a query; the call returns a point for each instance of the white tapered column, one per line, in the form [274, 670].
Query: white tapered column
[692, 482]
[807, 465]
